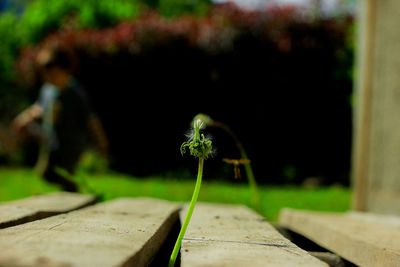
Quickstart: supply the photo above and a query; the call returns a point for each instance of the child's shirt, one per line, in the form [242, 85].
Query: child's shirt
[65, 118]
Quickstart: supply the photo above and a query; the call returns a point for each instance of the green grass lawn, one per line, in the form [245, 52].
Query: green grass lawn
[21, 182]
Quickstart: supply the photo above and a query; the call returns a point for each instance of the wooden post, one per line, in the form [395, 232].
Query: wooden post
[363, 93]
[376, 161]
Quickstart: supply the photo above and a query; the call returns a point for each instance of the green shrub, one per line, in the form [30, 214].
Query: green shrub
[8, 44]
[174, 8]
[44, 16]
[8, 52]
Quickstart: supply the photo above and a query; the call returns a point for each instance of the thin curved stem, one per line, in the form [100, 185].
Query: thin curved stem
[247, 166]
[252, 182]
[188, 215]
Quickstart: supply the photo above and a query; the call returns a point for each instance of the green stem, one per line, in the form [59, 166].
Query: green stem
[188, 215]
[247, 166]
[252, 182]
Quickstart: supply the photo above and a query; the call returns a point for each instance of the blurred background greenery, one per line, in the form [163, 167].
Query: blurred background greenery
[20, 183]
[280, 76]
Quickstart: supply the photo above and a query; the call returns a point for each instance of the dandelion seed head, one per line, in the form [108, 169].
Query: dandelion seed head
[198, 124]
[199, 146]
[204, 118]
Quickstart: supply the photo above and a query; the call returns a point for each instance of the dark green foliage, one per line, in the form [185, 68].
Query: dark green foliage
[174, 8]
[8, 51]
[44, 16]
[8, 44]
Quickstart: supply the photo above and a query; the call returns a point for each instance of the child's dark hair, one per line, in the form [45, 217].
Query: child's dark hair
[48, 58]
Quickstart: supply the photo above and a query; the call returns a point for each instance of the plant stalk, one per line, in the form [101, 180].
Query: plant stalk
[252, 182]
[247, 167]
[188, 215]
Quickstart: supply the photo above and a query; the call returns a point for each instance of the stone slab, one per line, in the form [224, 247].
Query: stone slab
[362, 239]
[233, 235]
[41, 206]
[122, 232]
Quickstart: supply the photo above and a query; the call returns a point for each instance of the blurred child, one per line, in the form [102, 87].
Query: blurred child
[61, 119]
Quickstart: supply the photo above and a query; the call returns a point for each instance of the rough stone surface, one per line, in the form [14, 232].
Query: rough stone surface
[363, 239]
[233, 235]
[41, 206]
[122, 232]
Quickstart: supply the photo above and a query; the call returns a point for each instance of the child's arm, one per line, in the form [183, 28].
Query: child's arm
[27, 116]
